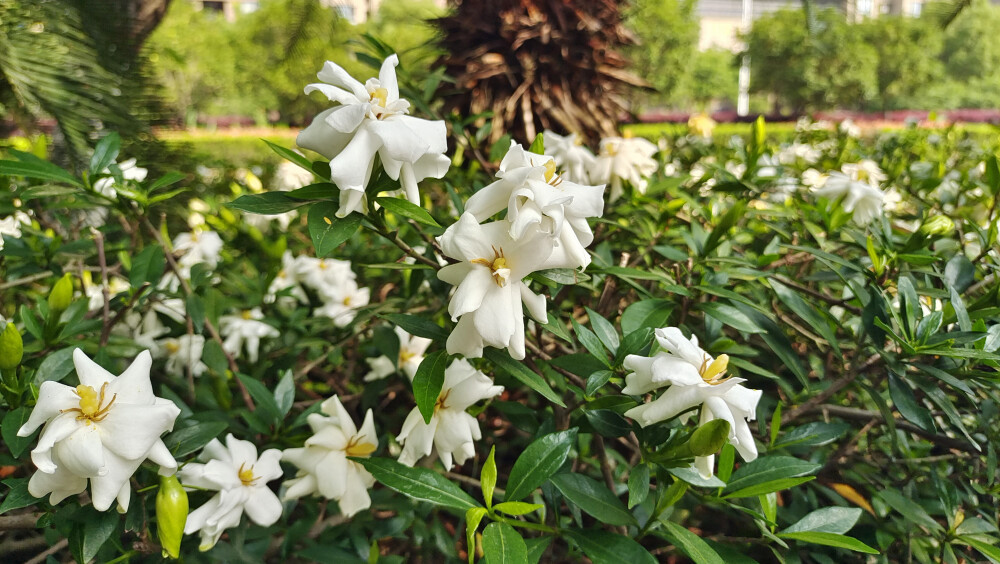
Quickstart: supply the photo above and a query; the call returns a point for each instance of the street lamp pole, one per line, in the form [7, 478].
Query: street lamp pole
[743, 100]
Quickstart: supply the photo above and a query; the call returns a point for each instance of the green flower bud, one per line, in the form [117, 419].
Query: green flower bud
[709, 438]
[937, 225]
[61, 295]
[171, 515]
[11, 348]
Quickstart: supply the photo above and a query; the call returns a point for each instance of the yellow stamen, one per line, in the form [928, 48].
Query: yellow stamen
[357, 448]
[247, 314]
[713, 372]
[347, 301]
[172, 347]
[551, 176]
[92, 406]
[442, 400]
[498, 263]
[382, 95]
[246, 476]
[405, 355]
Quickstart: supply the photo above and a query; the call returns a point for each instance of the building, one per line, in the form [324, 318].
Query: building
[354, 11]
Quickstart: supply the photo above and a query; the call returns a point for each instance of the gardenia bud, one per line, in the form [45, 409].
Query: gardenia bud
[171, 515]
[11, 348]
[709, 438]
[937, 225]
[61, 295]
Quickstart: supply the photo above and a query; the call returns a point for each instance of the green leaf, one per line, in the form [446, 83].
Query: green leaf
[147, 266]
[268, 203]
[830, 539]
[183, 442]
[17, 495]
[517, 507]
[41, 170]
[607, 422]
[989, 549]
[56, 366]
[167, 179]
[729, 315]
[907, 405]
[488, 477]
[502, 360]
[284, 393]
[604, 547]
[836, 520]
[647, 313]
[807, 312]
[543, 458]
[909, 509]
[105, 153]
[638, 485]
[290, 155]
[727, 222]
[691, 476]
[88, 536]
[329, 231]
[591, 343]
[813, 434]
[473, 518]
[427, 382]
[317, 191]
[537, 145]
[263, 398]
[12, 422]
[767, 469]
[503, 545]
[961, 314]
[604, 330]
[594, 498]
[45, 191]
[768, 487]
[690, 543]
[407, 209]
[419, 483]
[418, 326]
[597, 380]
[537, 547]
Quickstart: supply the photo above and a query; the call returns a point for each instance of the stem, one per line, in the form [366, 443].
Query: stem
[526, 524]
[378, 226]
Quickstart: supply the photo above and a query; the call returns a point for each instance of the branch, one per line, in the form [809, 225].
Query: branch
[865, 415]
[832, 389]
[22, 521]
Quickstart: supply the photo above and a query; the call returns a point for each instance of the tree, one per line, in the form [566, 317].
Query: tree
[907, 56]
[820, 65]
[538, 64]
[667, 39]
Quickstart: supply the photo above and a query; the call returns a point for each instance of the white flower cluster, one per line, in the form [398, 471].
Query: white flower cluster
[620, 160]
[857, 185]
[332, 280]
[545, 227]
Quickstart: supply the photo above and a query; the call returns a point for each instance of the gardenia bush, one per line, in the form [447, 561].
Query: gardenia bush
[721, 352]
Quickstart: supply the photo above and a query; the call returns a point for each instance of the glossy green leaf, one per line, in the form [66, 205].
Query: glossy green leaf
[594, 498]
[539, 461]
[837, 520]
[419, 483]
[267, 203]
[604, 547]
[407, 209]
[427, 382]
[488, 477]
[830, 539]
[329, 231]
[604, 330]
[521, 372]
[503, 545]
[691, 544]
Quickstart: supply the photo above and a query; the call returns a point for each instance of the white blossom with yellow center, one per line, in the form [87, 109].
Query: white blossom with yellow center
[411, 354]
[624, 159]
[569, 155]
[490, 292]
[241, 478]
[372, 119]
[538, 198]
[101, 431]
[245, 329]
[323, 463]
[451, 432]
[695, 379]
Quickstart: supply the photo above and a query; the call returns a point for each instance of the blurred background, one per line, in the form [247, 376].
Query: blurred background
[72, 68]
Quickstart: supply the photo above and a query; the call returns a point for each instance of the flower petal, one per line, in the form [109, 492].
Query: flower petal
[348, 170]
[53, 397]
[263, 507]
[132, 430]
[82, 453]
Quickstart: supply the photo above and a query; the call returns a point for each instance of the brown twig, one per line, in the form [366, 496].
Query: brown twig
[105, 291]
[819, 295]
[832, 389]
[21, 521]
[43, 556]
[26, 280]
[172, 263]
[609, 477]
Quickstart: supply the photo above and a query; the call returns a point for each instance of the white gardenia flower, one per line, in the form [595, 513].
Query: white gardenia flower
[325, 276]
[858, 185]
[11, 226]
[452, 431]
[371, 119]
[570, 155]
[198, 246]
[106, 185]
[411, 354]
[537, 198]
[95, 292]
[323, 464]
[102, 431]
[183, 353]
[340, 303]
[487, 302]
[241, 478]
[694, 379]
[287, 277]
[245, 329]
[624, 159]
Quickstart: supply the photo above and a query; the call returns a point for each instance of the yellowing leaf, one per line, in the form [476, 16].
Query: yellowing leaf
[852, 495]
